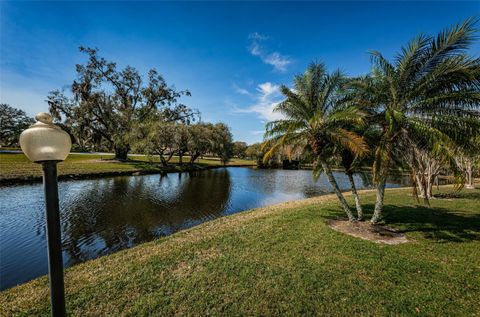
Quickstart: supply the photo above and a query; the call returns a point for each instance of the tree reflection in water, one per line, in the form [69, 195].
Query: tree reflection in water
[104, 218]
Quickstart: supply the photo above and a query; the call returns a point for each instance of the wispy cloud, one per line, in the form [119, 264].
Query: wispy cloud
[241, 90]
[266, 97]
[257, 48]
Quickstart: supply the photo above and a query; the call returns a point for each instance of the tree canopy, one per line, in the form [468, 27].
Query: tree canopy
[107, 101]
[12, 122]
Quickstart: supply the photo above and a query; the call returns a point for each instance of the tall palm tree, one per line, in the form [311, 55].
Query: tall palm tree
[428, 94]
[314, 119]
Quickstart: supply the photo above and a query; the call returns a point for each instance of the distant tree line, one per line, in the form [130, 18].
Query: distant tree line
[166, 139]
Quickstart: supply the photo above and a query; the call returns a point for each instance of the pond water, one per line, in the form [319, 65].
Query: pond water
[102, 216]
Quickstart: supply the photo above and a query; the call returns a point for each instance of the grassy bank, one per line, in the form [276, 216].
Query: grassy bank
[16, 167]
[284, 260]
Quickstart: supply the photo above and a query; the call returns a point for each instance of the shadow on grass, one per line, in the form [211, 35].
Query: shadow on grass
[464, 195]
[438, 224]
[435, 223]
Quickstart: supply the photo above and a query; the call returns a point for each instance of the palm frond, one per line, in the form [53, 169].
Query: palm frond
[347, 115]
[350, 141]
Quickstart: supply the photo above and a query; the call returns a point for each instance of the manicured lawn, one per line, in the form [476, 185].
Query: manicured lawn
[18, 166]
[285, 261]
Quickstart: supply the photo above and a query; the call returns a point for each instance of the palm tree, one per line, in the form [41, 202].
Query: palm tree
[315, 119]
[428, 94]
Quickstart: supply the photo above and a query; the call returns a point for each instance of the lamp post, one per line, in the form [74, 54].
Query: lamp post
[47, 144]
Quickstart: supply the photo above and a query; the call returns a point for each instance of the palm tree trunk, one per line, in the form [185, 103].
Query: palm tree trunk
[356, 197]
[336, 189]
[381, 179]
[377, 212]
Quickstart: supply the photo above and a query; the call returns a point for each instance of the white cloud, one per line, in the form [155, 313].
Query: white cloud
[257, 36]
[241, 90]
[266, 98]
[277, 60]
[268, 89]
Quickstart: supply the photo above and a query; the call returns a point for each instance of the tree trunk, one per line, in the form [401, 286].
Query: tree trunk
[469, 171]
[377, 212]
[420, 187]
[193, 157]
[180, 158]
[336, 189]
[429, 180]
[162, 160]
[121, 153]
[381, 179]
[429, 187]
[356, 197]
[169, 157]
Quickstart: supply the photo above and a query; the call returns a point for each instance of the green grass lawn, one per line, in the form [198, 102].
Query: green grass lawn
[14, 166]
[285, 261]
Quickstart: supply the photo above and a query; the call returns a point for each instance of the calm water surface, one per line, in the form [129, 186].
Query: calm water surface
[101, 216]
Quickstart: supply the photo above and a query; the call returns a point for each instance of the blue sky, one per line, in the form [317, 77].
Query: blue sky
[232, 56]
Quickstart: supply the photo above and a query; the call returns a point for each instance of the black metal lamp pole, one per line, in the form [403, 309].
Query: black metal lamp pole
[47, 144]
[54, 239]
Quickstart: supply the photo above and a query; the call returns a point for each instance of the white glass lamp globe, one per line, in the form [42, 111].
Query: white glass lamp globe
[44, 141]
